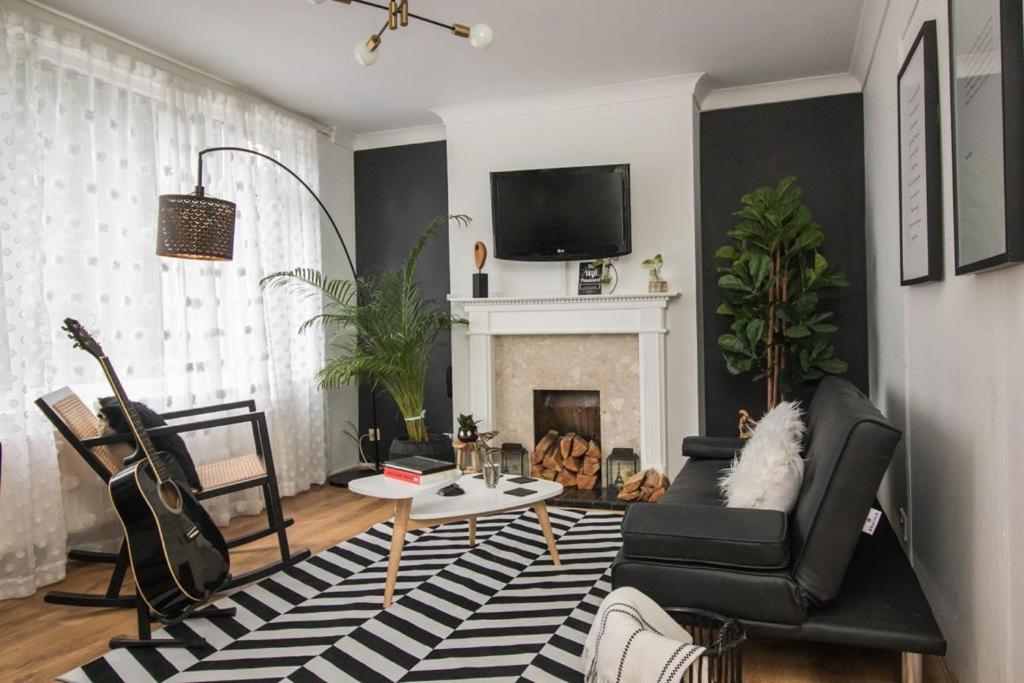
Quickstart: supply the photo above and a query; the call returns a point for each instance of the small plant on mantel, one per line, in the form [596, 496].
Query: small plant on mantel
[774, 283]
[386, 330]
[654, 266]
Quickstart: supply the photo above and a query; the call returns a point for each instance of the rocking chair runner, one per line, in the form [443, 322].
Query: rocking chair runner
[83, 431]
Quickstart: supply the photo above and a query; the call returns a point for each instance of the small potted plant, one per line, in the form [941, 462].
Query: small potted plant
[654, 266]
[469, 429]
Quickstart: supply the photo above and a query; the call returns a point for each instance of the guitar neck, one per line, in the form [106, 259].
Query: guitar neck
[134, 421]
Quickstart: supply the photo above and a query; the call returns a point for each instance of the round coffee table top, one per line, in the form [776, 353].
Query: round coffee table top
[478, 499]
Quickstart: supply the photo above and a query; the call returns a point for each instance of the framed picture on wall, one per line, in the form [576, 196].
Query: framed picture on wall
[986, 47]
[920, 161]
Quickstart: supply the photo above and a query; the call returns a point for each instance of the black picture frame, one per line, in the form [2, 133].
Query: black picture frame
[1011, 54]
[590, 278]
[928, 141]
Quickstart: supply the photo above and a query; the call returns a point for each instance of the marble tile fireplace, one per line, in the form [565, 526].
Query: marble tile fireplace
[612, 345]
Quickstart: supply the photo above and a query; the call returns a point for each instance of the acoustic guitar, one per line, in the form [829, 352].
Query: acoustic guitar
[178, 555]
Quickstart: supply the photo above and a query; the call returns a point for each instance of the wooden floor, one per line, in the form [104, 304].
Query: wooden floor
[40, 641]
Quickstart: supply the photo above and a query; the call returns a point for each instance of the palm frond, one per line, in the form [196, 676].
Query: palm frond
[384, 328]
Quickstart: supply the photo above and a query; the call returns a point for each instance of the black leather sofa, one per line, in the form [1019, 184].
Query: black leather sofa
[809, 575]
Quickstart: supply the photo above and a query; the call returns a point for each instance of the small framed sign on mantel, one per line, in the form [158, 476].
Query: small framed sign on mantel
[590, 278]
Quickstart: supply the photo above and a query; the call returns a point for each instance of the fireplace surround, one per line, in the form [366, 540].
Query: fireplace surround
[636, 319]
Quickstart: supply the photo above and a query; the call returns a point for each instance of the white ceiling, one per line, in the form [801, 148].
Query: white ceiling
[299, 55]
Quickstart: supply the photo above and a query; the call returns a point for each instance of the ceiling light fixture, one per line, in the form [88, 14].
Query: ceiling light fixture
[479, 35]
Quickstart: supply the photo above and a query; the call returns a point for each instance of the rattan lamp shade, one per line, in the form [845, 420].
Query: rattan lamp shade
[195, 226]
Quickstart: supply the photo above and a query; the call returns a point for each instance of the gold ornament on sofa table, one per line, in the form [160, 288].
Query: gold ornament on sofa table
[747, 425]
[479, 35]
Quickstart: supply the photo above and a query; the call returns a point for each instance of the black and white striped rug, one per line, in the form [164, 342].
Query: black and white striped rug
[500, 610]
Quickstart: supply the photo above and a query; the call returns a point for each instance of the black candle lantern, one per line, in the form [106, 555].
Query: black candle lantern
[619, 466]
[515, 460]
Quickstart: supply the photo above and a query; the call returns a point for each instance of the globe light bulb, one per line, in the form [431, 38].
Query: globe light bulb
[366, 51]
[481, 36]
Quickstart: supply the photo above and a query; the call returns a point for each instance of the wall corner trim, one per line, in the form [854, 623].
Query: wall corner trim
[400, 136]
[341, 137]
[683, 85]
[781, 91]
[869, 30]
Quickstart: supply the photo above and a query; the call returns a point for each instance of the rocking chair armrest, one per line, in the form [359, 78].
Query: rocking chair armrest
[257, 418]
[202, 410]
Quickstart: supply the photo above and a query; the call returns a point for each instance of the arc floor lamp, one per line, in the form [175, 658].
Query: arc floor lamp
[197, 226]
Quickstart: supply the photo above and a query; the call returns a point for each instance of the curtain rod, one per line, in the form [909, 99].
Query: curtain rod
[159, 60]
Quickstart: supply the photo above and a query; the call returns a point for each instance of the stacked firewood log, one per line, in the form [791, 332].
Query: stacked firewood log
[569, 459]
[648, 486]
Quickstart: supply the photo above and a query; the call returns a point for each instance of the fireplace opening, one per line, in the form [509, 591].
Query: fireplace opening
[567, 411]
[567, 426]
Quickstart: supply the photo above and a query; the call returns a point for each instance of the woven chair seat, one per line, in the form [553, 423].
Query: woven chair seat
[231, 471]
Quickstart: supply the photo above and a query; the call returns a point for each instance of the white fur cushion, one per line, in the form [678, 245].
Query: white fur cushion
[768, 473]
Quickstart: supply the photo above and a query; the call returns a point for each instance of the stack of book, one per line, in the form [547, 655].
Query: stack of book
[420, 470]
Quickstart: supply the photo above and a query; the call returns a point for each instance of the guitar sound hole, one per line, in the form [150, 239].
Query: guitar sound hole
[171, 496]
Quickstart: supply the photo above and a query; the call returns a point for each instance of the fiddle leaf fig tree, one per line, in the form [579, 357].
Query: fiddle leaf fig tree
[775, 286]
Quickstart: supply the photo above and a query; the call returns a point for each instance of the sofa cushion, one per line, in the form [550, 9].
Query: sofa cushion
[696, 484]
[739, 594]
[849, 448]
[768, 473]
[701, 534]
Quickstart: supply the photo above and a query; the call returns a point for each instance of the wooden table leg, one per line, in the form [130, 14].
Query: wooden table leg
[545, 524]
[402, 508]
[472, 532]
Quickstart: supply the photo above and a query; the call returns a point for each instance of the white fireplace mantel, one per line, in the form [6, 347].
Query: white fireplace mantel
[639, 314]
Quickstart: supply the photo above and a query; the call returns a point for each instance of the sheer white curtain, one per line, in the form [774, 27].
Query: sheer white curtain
[89, 137]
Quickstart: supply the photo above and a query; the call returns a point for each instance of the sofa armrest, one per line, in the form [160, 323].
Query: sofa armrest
[738, 538]
[712, 447]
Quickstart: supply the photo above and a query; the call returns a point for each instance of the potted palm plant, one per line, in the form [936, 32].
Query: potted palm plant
[385, 330]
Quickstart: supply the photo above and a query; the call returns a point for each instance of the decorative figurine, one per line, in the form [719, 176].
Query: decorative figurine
[480, 277]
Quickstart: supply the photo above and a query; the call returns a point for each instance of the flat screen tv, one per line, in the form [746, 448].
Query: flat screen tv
[561, 214]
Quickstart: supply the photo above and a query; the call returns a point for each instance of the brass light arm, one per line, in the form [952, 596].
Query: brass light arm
[404, 13]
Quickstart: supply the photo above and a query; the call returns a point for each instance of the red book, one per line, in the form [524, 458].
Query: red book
[417, 478]
[402, 475]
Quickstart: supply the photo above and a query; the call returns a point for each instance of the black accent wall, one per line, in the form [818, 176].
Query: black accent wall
[821, 142]
[398, 191]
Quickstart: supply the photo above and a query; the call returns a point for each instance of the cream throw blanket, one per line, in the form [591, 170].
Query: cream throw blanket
[632, 639]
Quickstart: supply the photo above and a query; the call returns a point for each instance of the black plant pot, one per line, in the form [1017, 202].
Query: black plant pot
[439, 446]
[468, 434]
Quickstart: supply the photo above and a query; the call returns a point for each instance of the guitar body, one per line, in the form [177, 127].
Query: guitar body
[178, 554]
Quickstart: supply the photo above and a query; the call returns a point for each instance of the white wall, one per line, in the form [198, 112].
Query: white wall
[337, 190]
[650, 125]
[946, 366]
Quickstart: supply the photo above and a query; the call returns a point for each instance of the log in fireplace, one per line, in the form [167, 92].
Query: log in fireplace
[567, 430]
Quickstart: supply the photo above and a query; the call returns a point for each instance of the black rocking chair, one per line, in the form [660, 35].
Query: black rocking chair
[84, 431]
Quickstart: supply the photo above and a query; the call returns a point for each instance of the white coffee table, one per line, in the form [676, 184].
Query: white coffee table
[419, 507]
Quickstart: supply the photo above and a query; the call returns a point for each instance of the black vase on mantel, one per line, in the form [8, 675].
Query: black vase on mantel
[438, 447]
